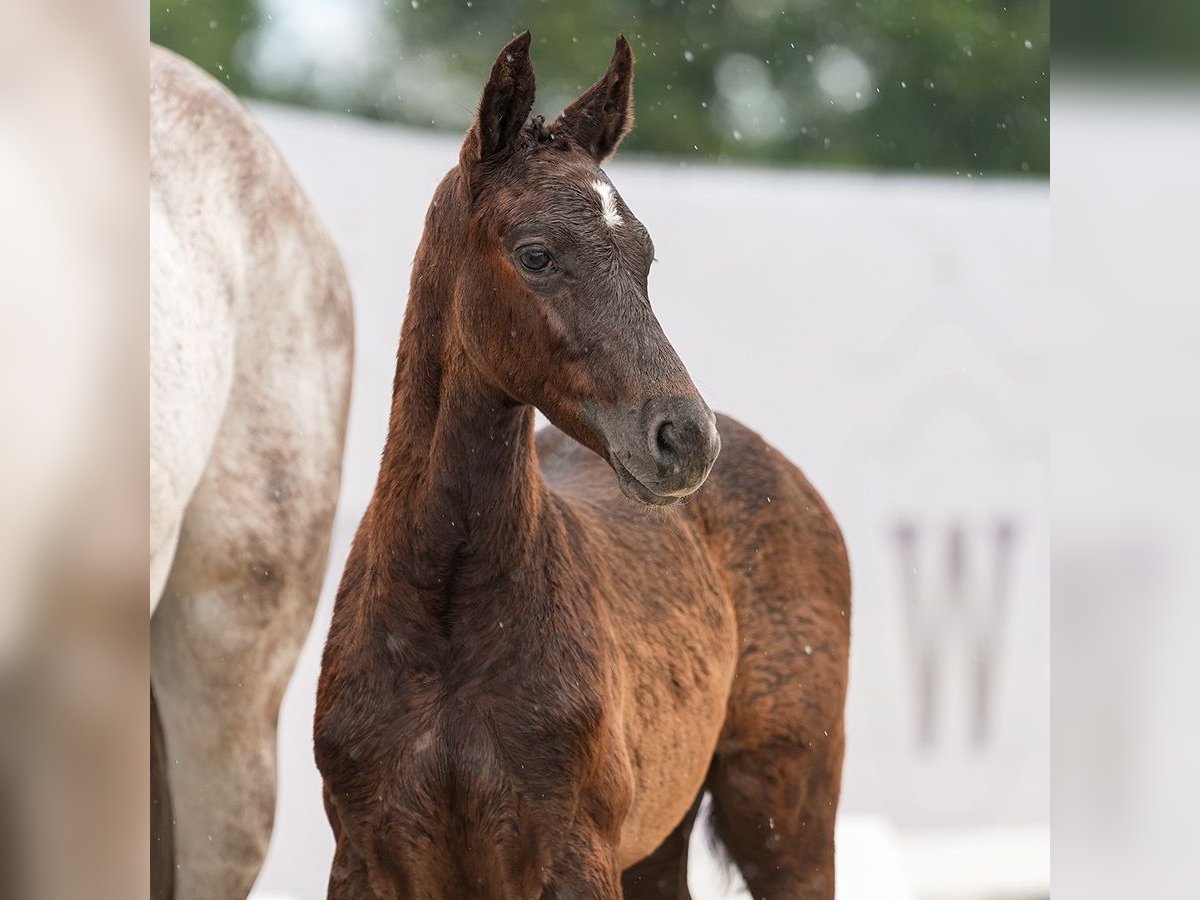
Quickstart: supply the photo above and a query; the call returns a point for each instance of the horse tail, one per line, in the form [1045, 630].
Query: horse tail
[162, 831]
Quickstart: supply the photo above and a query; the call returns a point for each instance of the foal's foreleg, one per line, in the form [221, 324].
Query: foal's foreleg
[663, 874]
[587, 870]
[348, 877]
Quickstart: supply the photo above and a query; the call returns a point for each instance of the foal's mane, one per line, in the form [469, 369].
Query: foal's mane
[538, 131]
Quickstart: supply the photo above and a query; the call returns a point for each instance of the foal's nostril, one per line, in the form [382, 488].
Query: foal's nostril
[665, 440]
[680, 442]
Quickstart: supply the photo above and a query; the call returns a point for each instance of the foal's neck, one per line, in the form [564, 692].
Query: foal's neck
[460, 495]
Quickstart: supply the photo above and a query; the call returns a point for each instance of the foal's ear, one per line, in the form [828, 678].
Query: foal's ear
[507, 100]
[603, 115]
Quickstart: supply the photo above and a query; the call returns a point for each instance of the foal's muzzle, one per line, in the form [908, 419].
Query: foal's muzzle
[662, 451]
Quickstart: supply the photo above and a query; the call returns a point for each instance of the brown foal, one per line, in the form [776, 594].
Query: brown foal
[531, 678]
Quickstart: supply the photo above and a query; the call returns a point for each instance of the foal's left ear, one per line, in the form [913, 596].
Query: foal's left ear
[505, 105]
[603, 115]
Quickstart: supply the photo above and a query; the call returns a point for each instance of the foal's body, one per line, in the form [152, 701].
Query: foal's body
[702, 667]
[530, 680]
[709, 657]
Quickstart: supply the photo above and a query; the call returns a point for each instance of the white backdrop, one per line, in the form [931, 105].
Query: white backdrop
[884, 332]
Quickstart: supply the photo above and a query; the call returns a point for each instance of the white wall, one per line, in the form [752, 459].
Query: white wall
[884, 332]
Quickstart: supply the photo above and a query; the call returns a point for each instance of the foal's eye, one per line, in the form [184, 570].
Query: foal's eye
[535, 259]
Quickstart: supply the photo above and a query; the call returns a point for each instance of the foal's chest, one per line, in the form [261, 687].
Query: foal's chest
[494, 759]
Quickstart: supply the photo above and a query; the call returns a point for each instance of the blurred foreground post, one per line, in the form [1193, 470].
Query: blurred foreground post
[73, 634]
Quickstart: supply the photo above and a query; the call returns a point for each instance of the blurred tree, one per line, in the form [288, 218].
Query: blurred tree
[1157, 38]
[943, 85]
[207, 32]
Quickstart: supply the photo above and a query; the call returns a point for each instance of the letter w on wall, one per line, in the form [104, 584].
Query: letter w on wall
[955, 585]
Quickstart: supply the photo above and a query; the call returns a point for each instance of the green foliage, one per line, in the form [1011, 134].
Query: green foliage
[945, 85]
[1158, 38]
[207, 32]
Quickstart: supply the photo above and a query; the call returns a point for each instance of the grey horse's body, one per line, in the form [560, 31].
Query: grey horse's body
[251, 353]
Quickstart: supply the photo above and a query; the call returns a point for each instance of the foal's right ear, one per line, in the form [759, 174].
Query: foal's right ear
[506, 103]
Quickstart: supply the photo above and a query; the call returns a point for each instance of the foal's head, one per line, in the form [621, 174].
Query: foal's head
[552, 303]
